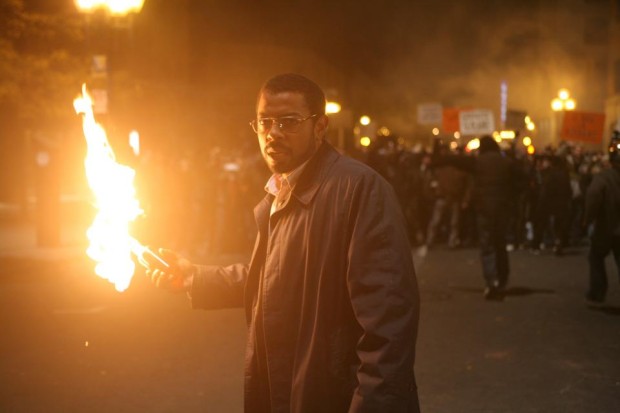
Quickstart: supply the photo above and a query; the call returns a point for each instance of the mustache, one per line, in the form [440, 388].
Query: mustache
[275, 147]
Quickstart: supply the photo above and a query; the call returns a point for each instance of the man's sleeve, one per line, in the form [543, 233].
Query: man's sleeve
[594, 199]
[215, 287]
[385, 300]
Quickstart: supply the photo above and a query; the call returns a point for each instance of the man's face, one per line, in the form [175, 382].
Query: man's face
[284, 151]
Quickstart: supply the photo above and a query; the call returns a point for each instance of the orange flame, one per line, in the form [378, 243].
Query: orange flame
[112, 185]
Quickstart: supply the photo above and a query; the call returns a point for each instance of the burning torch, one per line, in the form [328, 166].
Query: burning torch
[111, 245]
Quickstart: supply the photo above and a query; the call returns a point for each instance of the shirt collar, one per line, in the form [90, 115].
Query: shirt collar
[276, 181]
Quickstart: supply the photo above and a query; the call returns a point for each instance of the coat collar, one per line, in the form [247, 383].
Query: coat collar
[310, 180]
[315, 173]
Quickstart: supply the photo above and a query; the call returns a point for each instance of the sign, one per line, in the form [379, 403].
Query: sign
[477, 122]
[503, 101]
[430, 114]
[583, 126]
[450, 120]
[515, 120]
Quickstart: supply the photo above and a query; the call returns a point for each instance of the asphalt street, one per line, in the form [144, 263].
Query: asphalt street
[71, 343]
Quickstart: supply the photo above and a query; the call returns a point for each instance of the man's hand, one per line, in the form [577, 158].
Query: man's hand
[178, 278]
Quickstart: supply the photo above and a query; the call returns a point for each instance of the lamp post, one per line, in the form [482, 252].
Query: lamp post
[559, 105]
[104, 22]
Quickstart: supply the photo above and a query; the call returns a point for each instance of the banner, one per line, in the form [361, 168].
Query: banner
[430, 114]
[583, 127]
[476, 122]
[450, 121]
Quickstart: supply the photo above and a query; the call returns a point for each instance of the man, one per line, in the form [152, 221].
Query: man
[603, 209]
[494, 180]
[330, 293]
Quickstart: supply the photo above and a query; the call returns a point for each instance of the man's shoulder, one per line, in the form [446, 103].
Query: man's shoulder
[349, 168]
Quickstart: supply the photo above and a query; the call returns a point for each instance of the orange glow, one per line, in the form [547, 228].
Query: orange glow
[120, 7]
[112, 186]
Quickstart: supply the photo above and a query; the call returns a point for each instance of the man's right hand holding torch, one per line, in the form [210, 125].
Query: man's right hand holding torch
[175, 273]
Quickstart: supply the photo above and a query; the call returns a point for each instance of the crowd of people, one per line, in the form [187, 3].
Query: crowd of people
[206, 200]
[548, 194]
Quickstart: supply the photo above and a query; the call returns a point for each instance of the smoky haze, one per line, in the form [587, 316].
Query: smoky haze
[204, 60]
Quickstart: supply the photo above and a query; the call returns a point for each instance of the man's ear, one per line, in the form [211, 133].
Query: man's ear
[320, 128]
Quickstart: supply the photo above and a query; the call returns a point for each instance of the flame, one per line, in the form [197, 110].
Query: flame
[112, 185]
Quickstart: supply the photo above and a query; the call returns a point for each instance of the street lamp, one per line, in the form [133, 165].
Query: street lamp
[115, 7]
[563, 101]
[332, 107]
[559, 105]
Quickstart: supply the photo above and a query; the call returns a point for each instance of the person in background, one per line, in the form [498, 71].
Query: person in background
[330, 293]
[603, 210]
[494, 176]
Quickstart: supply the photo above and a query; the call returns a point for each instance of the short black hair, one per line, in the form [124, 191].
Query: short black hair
[488, 144]
[293, 82]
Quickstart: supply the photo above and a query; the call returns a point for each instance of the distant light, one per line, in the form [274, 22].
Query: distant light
[528, 120]
[435, 131]
[332, 107]
[453, 145]
[365, 141]
[365, 120]
[570, 104]
[473, 144]
[557, 104]
[527, 141]
[496, 135]
[134, 142]
[563, 94]
[531, 150]
[119, 7]
[498, 139]
[507, 134]
[384, 131]
[457, 135]
[530, 126]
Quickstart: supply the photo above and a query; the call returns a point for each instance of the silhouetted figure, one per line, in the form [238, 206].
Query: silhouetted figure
[494, 176]
[603, 209]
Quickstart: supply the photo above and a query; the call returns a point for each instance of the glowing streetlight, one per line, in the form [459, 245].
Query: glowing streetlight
[365, 141]
[435, 131]
[563, 101]
[116, 7]
[457, 135]
[332, 107]
[527, 141]
[365, 120]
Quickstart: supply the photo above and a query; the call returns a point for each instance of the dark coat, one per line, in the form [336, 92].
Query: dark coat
[330, 295]
[603, 203]
[496, 178]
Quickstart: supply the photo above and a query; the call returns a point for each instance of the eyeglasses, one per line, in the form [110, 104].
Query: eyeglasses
[286, 124]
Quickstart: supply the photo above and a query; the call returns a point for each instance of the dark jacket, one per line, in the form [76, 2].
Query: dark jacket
[330, 295]
[603, 203]
[495, 178]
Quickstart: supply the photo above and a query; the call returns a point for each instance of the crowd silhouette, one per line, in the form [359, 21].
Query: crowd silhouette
[202, 203]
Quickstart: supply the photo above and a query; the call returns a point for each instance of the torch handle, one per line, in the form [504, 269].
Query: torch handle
[152, 261]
